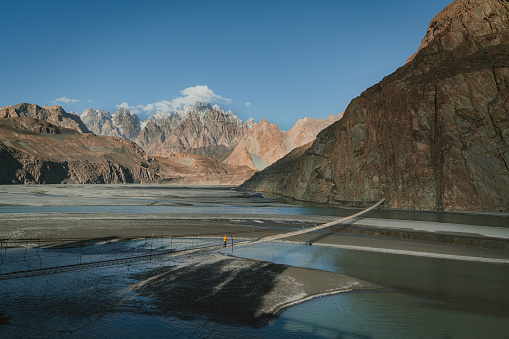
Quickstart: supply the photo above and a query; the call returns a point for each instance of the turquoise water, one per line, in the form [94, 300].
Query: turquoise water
[423, 298]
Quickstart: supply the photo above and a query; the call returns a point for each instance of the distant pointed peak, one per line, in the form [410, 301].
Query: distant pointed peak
[250, 123]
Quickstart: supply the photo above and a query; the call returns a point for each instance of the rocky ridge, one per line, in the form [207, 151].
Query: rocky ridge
[34, 151]
[127, 123]
[208, 131]
[53, 114]
[201, 129]
[434, 135]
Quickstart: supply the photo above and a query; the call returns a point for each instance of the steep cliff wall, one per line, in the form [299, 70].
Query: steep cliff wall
[433, 135]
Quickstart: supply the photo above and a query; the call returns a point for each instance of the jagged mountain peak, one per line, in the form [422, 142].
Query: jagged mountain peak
[250, 123]
[90, 112]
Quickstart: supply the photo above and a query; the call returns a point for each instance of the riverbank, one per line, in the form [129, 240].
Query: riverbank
[235, 290]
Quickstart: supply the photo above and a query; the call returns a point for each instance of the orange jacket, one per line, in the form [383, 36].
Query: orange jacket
[225, 238]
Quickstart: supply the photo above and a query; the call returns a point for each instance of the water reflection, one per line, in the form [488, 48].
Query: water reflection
[434, 298]
[460, 285]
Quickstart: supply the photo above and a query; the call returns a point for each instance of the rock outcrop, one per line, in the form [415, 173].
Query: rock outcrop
[53, 114]
[35, 151]
[434, 135]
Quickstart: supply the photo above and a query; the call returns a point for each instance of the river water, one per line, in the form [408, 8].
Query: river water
[423, 298]
[496, 220]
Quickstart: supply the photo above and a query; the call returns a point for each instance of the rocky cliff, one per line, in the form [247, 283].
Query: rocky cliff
[433, 135]
[34, 151]
[53, 114]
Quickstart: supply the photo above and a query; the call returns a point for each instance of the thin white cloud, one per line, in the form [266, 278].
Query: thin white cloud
[248, 104]
[91, 101]
[65, 100]
[190, 96]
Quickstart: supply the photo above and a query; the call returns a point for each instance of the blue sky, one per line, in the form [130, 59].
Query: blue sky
[279, 60]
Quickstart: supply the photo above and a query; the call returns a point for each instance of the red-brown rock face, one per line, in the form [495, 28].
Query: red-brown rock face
[53, 114]
[433, 135]
[266, 143]
[262, 146]
[305, 130]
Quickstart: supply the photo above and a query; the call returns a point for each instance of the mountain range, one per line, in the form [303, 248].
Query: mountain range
[48, 145]
[208, 131]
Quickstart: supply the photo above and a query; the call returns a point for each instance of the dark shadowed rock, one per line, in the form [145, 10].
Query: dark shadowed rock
[432, 135]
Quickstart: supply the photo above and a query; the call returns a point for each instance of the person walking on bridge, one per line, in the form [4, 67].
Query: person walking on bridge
[225, 238]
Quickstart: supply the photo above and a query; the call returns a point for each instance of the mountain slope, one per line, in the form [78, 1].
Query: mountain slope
[266, 143]
[53, 114]
[305, 130]
[432, 135]
[196, 169]
[262, 146]
[34, 151]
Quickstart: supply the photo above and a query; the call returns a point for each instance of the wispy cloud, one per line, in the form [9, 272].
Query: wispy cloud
[65, 100]
[91, 101]
[190, 96]
[248, 104]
